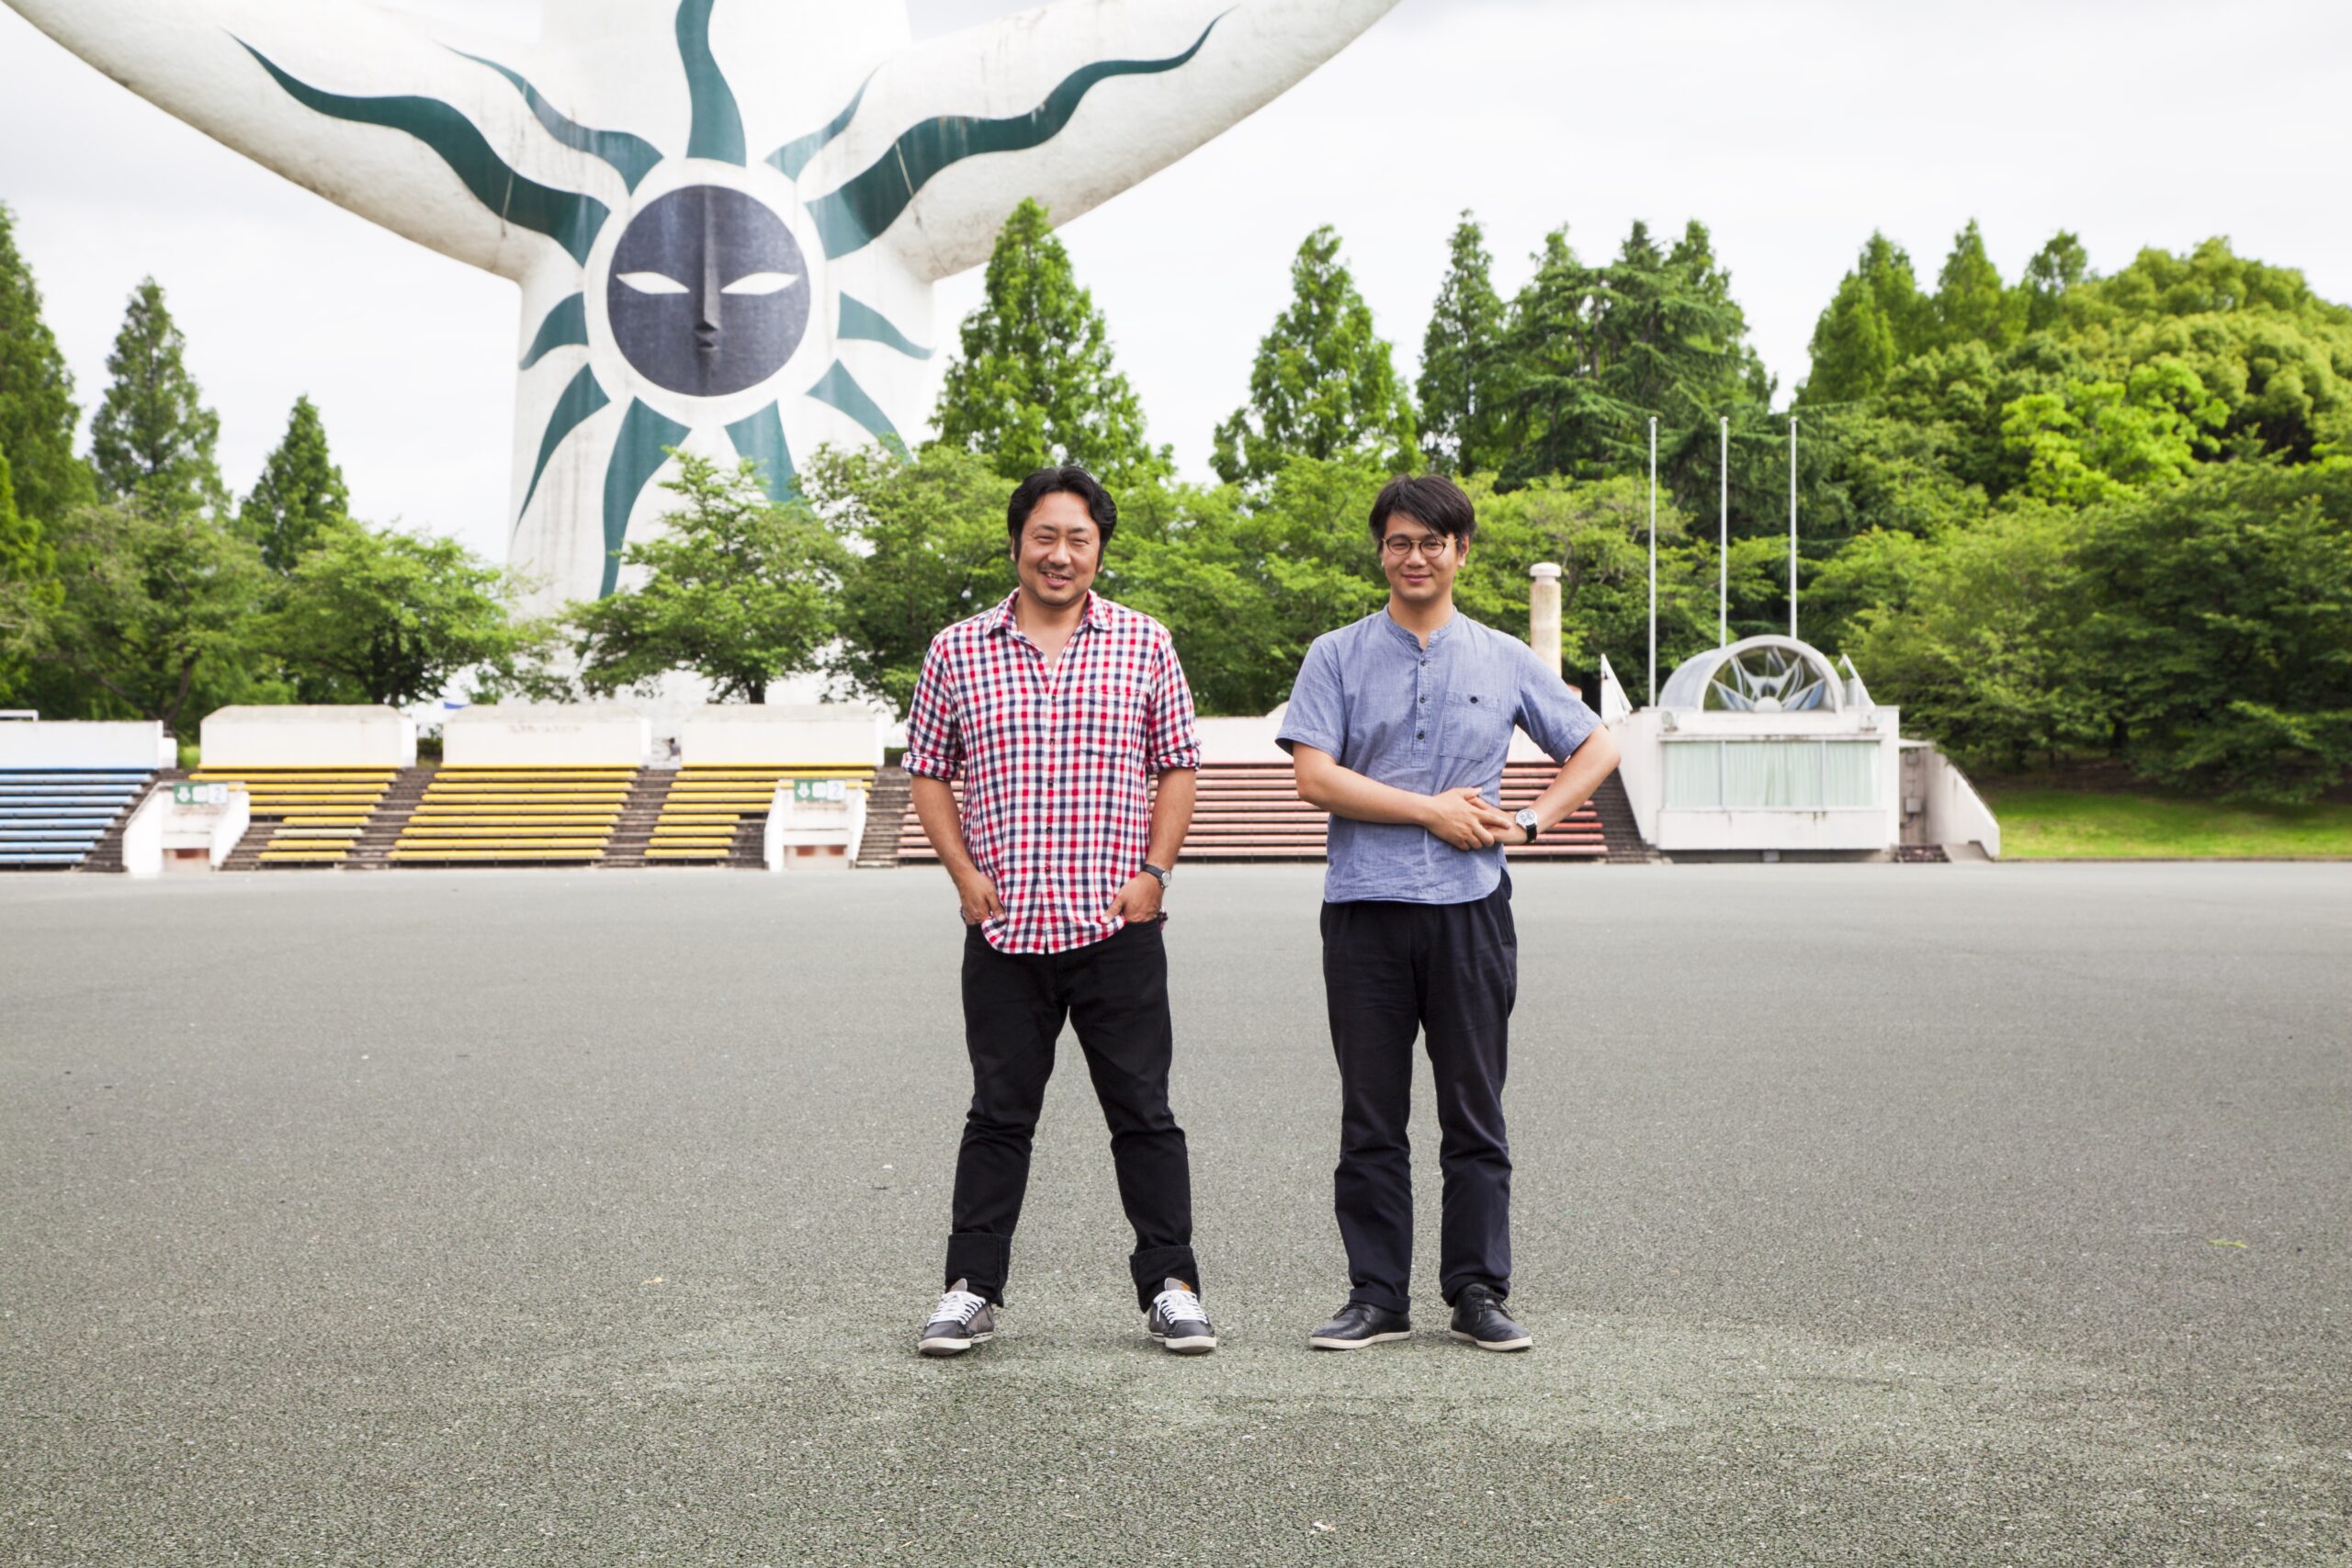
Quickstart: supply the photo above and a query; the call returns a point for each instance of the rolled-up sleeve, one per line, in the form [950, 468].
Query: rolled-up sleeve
[934, 739]
[1318, 714]
[1171, 738]
[1551, 712]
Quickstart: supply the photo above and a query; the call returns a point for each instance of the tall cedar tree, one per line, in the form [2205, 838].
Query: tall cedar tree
[152, 438]
[1458, 360]
[1322, 386]
[1877, 321]
[1971, 303]
[1592, 354]
[28, 587]
[38, 416]
[1037, 384]
[299, 493]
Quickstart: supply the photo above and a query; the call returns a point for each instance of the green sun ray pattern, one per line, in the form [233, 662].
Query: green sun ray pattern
[632, 157]
[850, 217]
[793, 155]
[566, 217]
[760, 438]
[579, 401]
[862, 321]
[717, 124]
[839, 389]
[566, 325]
[641, 448]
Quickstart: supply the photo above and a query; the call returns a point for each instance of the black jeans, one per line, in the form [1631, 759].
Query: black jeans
[1391, 971]
[1116, 991]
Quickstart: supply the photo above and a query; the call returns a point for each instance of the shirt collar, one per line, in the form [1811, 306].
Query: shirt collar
[1001, 617]
[1398, 629]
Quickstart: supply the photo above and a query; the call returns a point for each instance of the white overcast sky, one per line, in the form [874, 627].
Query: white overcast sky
[1791, 129]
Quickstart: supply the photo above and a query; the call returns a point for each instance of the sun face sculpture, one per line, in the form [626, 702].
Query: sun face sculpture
[681, 288]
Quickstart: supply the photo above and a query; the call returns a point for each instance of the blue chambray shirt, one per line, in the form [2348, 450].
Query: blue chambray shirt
[1426, 720]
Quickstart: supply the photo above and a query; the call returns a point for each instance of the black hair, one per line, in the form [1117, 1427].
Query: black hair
[1067, 479]
[1432, 500]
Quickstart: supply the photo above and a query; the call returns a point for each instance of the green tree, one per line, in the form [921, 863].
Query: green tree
[153, 438]
[371, 615]
[1971, 303]
[2097, 439]
[1037, 384]
[157, 609]
[37, 412]
[926, 545]
[299, 494]
[739, 590]
[1459, 359]
[1985, 657]
[2054, 272]
[1590, 354]
[2219, 632]
[1876, 320]
[28, 573]
[1322, 385]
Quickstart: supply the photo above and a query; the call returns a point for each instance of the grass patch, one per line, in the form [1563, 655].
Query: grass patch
[2076, 824]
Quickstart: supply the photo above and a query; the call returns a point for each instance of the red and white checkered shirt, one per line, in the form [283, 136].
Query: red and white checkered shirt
[1057, 763]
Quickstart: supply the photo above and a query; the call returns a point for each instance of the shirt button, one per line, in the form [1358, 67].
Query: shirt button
[1417, 734]
[1425, 702]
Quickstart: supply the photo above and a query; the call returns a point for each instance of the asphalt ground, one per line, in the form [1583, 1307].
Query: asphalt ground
[1875, 1215]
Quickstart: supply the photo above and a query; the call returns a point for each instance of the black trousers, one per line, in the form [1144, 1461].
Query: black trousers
[1451, 972]
[1115, 992]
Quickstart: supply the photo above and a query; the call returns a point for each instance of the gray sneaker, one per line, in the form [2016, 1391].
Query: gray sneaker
[960, 1321]
[1179, 1321]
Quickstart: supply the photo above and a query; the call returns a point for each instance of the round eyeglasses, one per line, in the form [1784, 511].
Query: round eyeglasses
[1432, 546]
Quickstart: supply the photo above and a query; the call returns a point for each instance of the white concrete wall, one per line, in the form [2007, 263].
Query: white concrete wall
[158, 824]
[1956, 814]
[85, 743]
[516, 735]
[1643, 736]
[800, 735]
[356, 735]
[832, 829]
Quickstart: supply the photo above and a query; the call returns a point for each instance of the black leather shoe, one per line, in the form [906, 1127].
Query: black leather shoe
[1479, 1316]
[1360, 1324]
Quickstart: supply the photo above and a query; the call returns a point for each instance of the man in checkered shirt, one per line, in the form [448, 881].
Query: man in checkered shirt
[1056, 708]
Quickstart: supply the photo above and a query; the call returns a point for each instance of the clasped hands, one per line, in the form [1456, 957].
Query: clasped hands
[1468, 820]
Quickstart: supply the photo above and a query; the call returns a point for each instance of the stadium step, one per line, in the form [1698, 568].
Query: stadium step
[887, 810]
[59, 819]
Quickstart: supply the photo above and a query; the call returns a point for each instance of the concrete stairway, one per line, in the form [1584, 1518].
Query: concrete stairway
[633, 831]
[888, 810]
[105, 855]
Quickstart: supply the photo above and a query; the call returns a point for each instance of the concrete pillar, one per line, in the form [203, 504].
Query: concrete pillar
[1543, 613]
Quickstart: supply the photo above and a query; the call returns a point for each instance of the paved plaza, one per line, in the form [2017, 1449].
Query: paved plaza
[1870, 1214]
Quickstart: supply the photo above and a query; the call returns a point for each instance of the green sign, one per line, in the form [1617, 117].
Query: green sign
[820, 792]
[189, 793]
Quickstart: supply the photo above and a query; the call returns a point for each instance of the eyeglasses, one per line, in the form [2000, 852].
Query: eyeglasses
[1432, 546]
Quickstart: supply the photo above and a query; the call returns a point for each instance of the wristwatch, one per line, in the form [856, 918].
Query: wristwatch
[1160, 873]
[1528, 820]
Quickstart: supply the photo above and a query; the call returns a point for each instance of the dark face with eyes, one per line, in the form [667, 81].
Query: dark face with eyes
[709, 293]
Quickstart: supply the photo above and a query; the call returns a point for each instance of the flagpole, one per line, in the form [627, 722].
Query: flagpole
[1723, 541]
[1792, 527]
[1652, 561]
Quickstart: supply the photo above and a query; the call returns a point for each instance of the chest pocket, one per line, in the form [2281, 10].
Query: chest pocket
[1476, 727]
[1107, 716]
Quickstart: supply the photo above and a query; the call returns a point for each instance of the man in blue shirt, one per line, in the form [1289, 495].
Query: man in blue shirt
[1399, 727]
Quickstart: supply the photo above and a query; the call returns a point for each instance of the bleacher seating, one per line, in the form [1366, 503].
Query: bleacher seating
[708, 804]
[313, 815]
[1249, 811]
[514, 814]
[50, 818]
